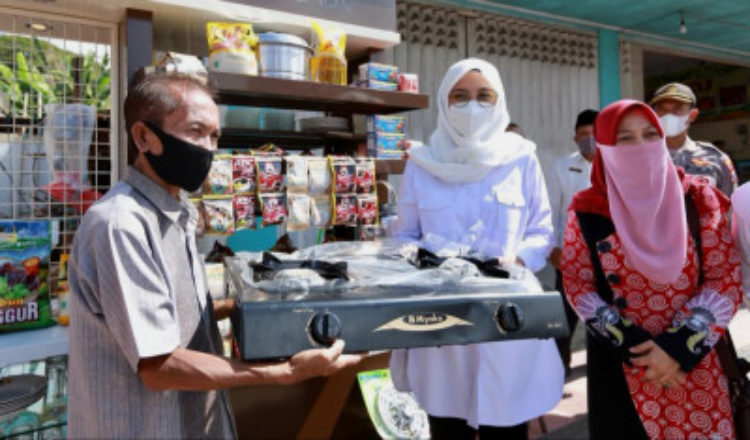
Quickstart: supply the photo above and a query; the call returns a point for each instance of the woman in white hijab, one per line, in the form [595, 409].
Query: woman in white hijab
[474, 179]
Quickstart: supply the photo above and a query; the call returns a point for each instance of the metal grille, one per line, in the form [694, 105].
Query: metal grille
[57, 151]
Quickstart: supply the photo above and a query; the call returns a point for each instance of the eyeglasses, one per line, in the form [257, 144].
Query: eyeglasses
[460, 98]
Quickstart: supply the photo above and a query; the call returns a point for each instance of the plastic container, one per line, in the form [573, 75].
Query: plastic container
[284, 56]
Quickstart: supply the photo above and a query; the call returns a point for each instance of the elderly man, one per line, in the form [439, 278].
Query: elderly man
[145, 353]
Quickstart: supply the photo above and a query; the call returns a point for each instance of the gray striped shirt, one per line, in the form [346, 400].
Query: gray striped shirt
[138, 290]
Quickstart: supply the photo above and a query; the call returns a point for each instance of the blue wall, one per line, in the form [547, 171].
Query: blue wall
[609, 66]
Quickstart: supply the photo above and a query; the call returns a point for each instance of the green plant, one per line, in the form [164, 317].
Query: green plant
[34, 73]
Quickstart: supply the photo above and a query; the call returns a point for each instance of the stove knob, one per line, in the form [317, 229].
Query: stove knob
[325, 328]
[509, 316]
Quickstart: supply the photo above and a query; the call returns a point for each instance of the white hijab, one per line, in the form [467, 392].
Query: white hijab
[455, 159]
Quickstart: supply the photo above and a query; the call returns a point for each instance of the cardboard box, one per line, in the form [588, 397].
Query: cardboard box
[386, 124]
[378, 72]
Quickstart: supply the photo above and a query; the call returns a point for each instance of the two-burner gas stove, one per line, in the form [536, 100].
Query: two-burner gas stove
[372, 310]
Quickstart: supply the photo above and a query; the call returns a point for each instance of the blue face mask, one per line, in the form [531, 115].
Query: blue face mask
[181, 163]
[587, 146]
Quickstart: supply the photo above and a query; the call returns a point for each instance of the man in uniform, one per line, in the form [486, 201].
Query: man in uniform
[675, 104]
[570, 174]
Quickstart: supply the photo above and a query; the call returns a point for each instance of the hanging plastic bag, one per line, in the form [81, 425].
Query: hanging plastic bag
[68, 129]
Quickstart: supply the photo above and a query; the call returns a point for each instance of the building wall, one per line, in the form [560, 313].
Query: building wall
[549, 73]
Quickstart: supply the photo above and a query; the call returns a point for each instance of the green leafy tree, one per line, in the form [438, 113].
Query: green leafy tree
[34, 73]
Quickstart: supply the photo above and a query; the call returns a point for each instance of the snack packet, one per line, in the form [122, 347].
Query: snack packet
[367, 209]
[345, 209]
[243, 174]
[365, 175]
[296, 174]
[244, 212]
[328, 63]
[299, 212]
[273, 208]
[269, 174]
[231, 48]
[344, 172]
[320, 211]
[219, 215]
[219, 180]
[320, 175]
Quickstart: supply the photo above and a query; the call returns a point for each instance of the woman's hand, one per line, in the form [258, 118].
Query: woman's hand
[657, 365]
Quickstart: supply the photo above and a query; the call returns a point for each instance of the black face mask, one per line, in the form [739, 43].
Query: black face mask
[181, 163]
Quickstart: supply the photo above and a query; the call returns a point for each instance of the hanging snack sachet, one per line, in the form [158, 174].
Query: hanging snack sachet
[219, 180]
[345, 209]
[297, 180]
[320, 211]
[299, 212]
[365, 175]
[367, 209]
[320, 176]
[270, 178]
[219, 215]
[343, 172]
[243, 174]
[273, 208]
[244, 212]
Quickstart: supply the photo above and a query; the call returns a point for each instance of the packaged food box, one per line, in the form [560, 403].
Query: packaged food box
[408, 82]
[384, 141]
[378, 72]
[386, 123]
[378, 85]
[389, 154]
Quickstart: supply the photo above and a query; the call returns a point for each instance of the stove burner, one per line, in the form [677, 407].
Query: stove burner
[490, 268]
[270, 266]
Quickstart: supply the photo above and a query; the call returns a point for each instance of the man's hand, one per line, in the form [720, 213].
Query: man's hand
[554, 257]
[507, 261]
[319, 362]
[658, 366]
[223, 308]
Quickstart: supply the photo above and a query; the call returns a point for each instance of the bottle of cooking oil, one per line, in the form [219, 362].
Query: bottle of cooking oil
[328, 64]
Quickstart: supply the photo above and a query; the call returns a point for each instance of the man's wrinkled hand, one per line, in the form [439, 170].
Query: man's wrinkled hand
[320, 362]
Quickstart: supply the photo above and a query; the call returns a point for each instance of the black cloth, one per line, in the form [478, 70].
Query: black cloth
[450, 428]
[612, 413]
[563, 344]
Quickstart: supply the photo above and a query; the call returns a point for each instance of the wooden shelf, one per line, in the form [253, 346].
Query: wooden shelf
[250, 138]
[260, 91]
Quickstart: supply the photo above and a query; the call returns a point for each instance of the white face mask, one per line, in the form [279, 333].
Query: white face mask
[673, 125]
[471, 120]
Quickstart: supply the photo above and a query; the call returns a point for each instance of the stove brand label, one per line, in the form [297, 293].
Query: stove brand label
[423, 322]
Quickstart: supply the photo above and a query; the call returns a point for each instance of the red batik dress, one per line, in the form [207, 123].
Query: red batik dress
[684, 318]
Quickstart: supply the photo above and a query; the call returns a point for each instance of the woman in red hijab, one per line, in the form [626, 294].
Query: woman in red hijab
[654, 303]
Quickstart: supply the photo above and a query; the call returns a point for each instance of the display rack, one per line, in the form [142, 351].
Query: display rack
[258, 91]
